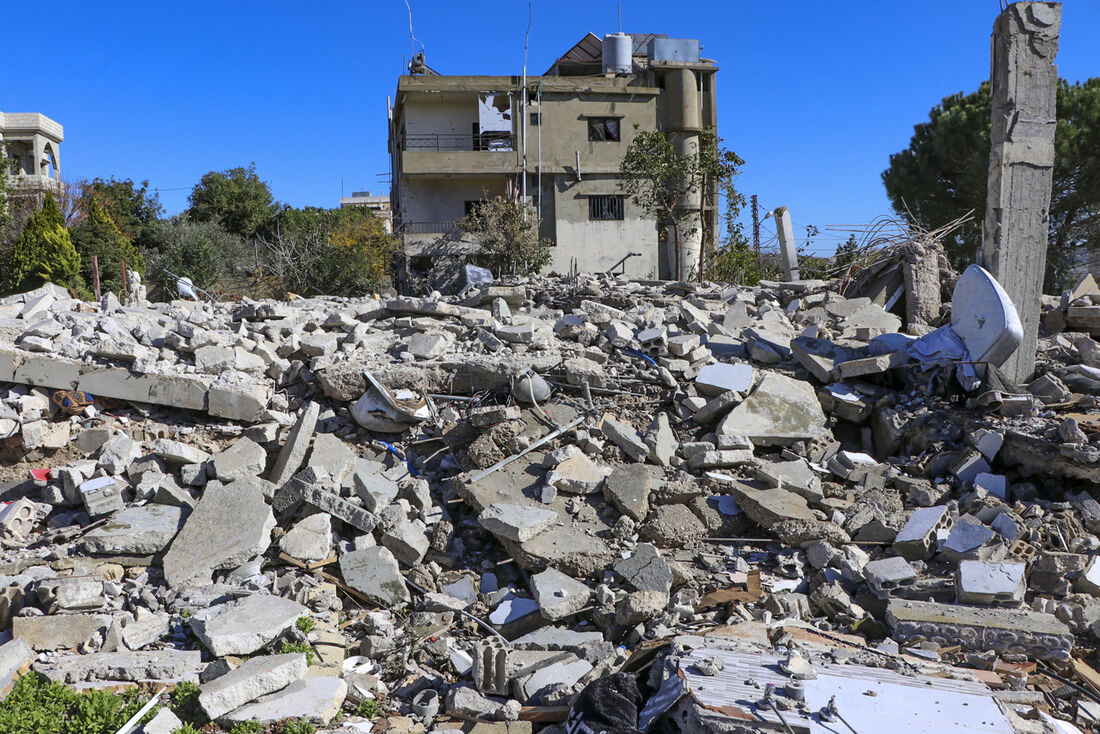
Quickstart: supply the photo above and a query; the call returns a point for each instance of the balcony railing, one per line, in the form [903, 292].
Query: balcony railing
[449, 142]
[442, 227]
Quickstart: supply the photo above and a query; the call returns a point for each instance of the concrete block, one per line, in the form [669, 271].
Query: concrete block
[177, 452]
[990, 584]
[886, 575]
[917, 538]
[981, 629]
[297, 444]
[255, 677]
[715, 379]
[314, 698]
[375, 573]
[517, 523]
[47, 371]
[626, 437]
[310, 539]
[144, 530]
[244, 402]
[245, 458]
[242, 627]
[780, 411]
[558, 595]
[101, 496]
[60, 631]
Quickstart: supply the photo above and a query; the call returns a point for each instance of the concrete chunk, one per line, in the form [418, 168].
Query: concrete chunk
[375, 573]
[139, 531]
[518, 523]
[715, 379]
[244, 626]
[310, 539]
[558, 595]
[769, 507]
[628, 489]
[230, 525]
[780, 411]
[990, 584]
[297, 444]
[255, 677]
[124, 666]
[314, 698]
[245, 458]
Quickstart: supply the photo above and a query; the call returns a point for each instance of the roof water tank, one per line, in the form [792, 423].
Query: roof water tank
[618, 53]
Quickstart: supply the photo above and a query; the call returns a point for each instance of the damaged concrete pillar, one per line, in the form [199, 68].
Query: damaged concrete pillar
[788, 249]
[684, 123]
[921, 268]
[1021, 163]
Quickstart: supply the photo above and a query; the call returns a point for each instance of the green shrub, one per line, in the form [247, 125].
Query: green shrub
[369, 709]
[305, 625]
[98, 236]
[247, 727]
[303, 647]
[299, 727]
[184, 702]
[38, 706]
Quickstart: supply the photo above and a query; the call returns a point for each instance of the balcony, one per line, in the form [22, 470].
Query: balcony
[499, 142]
[441, 227]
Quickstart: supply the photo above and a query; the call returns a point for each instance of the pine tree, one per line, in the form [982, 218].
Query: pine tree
[44, 252]
[98, 236]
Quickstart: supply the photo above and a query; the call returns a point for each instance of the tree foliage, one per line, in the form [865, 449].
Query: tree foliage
[507, 235]
[44, 252]
[201, 251]
[97, 236]
[236, 198]
[943, 174]
[343, 252]
[658, 179]
[134, 210]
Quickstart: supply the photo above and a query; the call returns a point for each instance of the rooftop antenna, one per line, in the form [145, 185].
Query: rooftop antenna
[413, 40]
[620, 17]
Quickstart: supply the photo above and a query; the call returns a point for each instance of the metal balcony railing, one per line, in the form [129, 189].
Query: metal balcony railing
[451, 142]
[441, 227]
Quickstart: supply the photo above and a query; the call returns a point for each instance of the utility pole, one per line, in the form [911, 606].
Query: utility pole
[755, 225]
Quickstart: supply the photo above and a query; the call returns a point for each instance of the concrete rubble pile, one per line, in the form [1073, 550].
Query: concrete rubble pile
[635, 506]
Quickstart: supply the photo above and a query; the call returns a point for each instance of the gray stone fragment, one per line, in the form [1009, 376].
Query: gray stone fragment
[165, 722]
[179, 453]
[255, 677]
[990, 584]
[16, 657]
[245, 458]
[376, 490]
[297, 444]
[768, 507]
[628, 489]
[970, 540]
[661, 440]
[230, 525]
[626, 438]
[124, 666]
[715, 379]
[886, 575]
[60, 631]
[314, 698]
[646, 569]
[408, 541]
[139, 531]
[375, 573]
[332, 455]
[781, 410]
[145, 630]
[558, 595]
[518, 523]
[118, 453]
[340, 508]
[917, 538]
[310, 539]
[244, 626]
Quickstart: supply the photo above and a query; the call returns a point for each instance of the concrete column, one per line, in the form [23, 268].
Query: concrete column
[683, 123]
[1021, 163]
[788, 249]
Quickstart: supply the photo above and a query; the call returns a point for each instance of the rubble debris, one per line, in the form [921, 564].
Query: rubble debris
[705, 473]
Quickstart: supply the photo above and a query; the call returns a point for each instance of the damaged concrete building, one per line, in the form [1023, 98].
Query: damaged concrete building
[556, 142]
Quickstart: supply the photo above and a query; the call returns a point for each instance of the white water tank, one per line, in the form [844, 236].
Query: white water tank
[618, 53]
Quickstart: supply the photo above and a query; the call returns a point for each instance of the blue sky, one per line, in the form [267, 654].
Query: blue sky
[814, 96]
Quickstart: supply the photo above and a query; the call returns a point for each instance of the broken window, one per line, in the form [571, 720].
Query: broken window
[603, 128]
[605, 207]
[535, 118]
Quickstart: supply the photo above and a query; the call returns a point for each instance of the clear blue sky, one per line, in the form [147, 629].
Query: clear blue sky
[814, 96]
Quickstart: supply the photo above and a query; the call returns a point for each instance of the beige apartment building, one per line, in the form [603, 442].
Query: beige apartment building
[455, 140]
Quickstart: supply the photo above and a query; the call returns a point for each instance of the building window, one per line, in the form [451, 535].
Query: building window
[605, 207]
[603, 128]
[536, 118]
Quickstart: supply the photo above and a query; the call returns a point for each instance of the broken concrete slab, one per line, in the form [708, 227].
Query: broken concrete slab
[61, 631]
[646, 569]
[990, 584]
[297, 443]
[626, 437]
[715, 379]
[314, 698]
[177, 452]
[374, 572]
[558, 595]
[254, 678]
[245, 458]
[781, 410]
[628, 489]
[310, 539]
[230, 525]
[244, 626]
[123, 666]
[769, 507]
[16, 657]
[145, 530]
[518, 523]
[978, 629]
